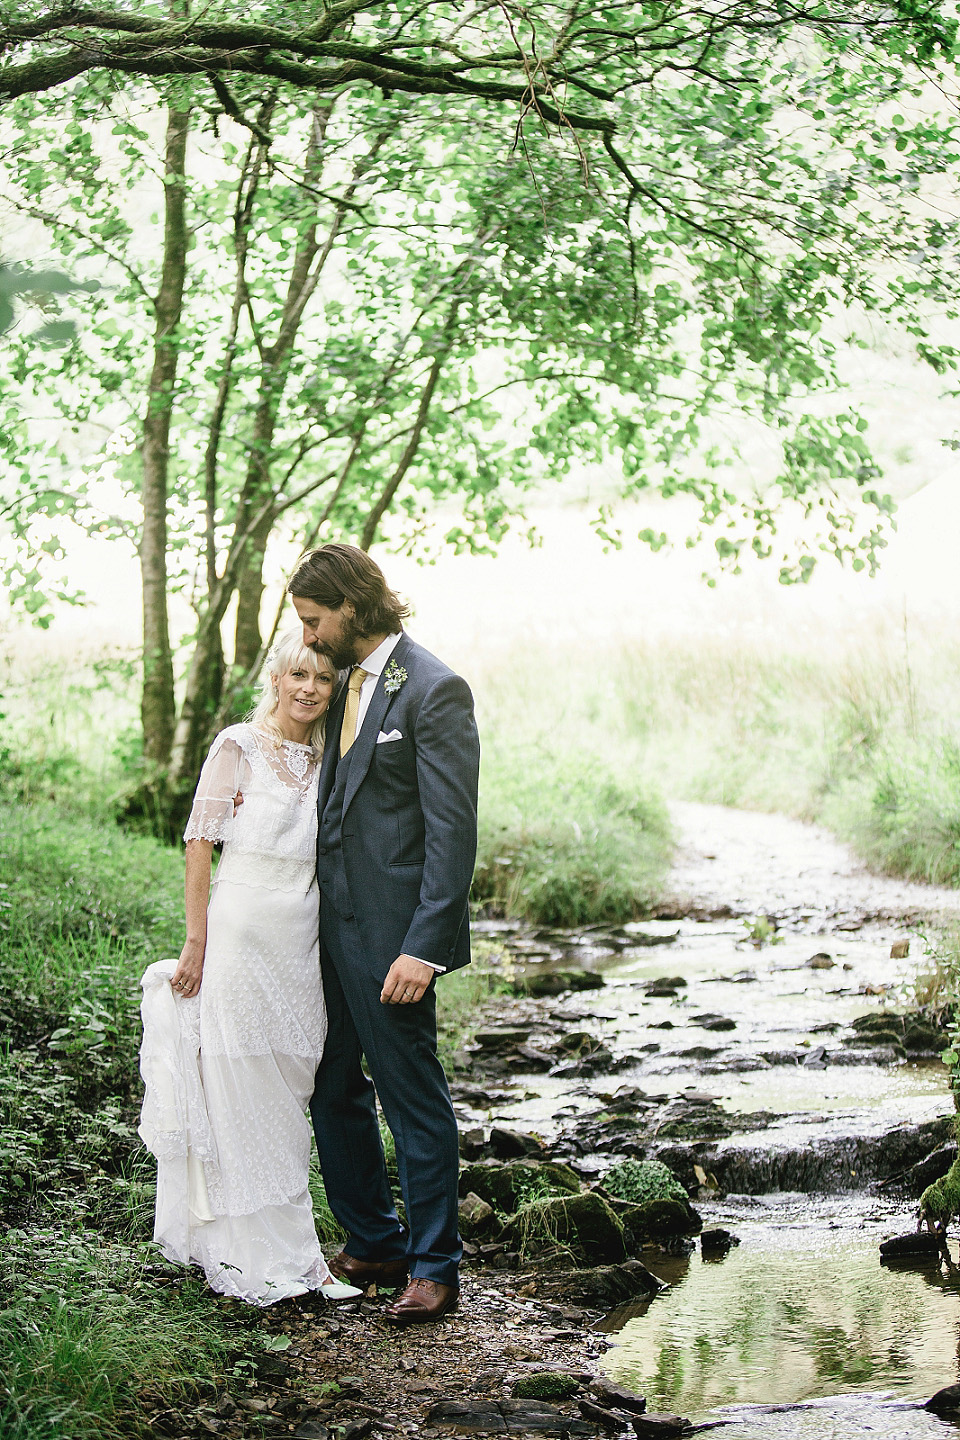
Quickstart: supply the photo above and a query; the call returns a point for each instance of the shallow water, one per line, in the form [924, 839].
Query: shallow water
[839, 1419]
[801, 1315]
[786, 1010]
[801, 1309]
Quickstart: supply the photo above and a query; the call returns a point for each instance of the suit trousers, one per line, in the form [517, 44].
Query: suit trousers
[399, 1043]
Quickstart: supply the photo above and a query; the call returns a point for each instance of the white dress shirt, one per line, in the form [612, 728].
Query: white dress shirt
[374, 665]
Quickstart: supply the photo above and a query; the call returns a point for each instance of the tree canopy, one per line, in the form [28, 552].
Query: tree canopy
[365, 257]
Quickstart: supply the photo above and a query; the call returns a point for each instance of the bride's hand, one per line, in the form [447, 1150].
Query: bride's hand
[187, 976]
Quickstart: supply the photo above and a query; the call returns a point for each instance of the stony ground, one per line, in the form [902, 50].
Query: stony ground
[345, 1373]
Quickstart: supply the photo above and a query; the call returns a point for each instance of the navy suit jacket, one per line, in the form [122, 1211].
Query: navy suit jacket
[410, 812]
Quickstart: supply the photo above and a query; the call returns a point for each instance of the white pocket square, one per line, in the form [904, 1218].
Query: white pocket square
[383, 737]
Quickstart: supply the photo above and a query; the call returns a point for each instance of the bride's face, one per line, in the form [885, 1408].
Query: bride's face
[303, 696]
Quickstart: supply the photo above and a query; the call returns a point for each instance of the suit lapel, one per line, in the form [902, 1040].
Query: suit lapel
[365, 743]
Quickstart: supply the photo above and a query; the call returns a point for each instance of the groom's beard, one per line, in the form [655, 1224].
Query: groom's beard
[342, 652]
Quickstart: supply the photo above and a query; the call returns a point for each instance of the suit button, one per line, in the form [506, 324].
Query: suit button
[322, 850]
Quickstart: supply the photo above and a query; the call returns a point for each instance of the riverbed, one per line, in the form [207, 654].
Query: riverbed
[774, 943]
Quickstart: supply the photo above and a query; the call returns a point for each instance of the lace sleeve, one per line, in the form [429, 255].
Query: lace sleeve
[221, 777]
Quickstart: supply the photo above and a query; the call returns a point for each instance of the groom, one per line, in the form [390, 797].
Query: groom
[395, 855]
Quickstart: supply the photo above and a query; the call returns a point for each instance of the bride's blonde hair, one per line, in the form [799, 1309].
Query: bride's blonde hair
[287, 653]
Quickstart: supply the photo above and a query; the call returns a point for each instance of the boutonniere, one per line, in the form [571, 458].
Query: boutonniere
[393, 678]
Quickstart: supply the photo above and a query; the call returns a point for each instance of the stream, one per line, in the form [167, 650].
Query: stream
[726, 1030]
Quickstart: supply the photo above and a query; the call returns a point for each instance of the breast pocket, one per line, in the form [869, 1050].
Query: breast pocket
[395, 756]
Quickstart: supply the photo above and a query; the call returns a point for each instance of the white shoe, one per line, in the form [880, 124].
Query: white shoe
[337, 1290]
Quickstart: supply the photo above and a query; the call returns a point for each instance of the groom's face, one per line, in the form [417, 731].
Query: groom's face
[334, 632]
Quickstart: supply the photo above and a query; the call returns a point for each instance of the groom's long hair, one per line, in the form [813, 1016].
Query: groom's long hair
[336, 573]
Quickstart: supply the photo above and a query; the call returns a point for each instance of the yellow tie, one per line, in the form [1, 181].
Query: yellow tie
[348, 730]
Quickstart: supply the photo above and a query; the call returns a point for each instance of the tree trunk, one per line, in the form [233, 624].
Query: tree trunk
[250, 589]
[158, 710]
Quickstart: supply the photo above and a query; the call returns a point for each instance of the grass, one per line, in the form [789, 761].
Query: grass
[90, 1339]
[859, 731]
[563, 843]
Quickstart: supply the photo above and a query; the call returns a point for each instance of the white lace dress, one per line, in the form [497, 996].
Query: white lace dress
[228, 1074]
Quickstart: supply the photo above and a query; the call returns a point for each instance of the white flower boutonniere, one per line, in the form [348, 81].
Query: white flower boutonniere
[394, 677]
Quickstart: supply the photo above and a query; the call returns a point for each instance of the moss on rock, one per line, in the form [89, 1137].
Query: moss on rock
[509, 1186]
[668, 1219]
[546, 1385]
[579, 1226]
[940, 1202]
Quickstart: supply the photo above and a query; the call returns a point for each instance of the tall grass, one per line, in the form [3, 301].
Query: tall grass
[89, 1321]
[565, 840]
[860, 732]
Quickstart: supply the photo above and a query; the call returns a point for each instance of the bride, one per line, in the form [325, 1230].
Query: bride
[229, 1066]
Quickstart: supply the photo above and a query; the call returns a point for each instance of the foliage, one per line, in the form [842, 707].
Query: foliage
[908, 815]
[19, 284]
[409, 255]
[939, 994]
[855, 731]
[761, 931]
[566, 844]
[90, 1331]
[641, 1180]
[460, 1000]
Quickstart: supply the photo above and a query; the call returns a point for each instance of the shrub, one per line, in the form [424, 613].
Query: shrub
[641, 1180]
[563, 844]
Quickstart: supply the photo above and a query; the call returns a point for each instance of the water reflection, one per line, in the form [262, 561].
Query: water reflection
[798, 1311]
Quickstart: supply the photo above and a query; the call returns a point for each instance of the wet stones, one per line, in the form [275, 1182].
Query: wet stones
[615, 1397]
[919, 1245]
[557, 982]
[666, 1427]
[584, 1054]
[716, 1243]
[925, 1172]
[601, 1287]
[606, 1419]
[501, 1037]
[476, 1417]
[910, 1033]
[713, 1022]
[945, 1402]
[666, 987]
[830, 1165]
[694, 1120]
[513, 1144]
[668, 1219]
[477, 1217]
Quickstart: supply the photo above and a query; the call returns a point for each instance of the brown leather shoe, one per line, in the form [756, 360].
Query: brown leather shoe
[389, 1273]
[421, 1301]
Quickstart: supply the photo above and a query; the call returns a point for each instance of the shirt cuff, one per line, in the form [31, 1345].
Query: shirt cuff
[440, 969]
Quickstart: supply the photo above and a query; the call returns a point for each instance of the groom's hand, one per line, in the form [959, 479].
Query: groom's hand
[407, 981]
